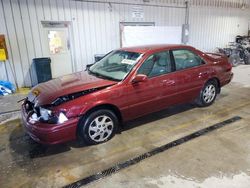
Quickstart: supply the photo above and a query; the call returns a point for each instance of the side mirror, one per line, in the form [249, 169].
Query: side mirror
[139, 78]
[88, 66]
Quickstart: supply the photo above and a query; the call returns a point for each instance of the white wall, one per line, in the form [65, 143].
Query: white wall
[95, 28]
[215, 27]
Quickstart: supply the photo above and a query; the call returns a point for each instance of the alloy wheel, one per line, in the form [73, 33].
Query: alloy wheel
[101, 128]
[209, 93]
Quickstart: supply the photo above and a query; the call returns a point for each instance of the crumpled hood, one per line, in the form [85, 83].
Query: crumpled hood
[46, 93]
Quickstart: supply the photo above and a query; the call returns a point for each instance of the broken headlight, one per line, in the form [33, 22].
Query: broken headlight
[49, 117]
[62, 118]
[45, 113]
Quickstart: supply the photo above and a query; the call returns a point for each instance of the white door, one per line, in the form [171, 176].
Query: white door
[58, 48]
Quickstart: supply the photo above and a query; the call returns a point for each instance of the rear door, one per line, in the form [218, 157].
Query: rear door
[190, 73]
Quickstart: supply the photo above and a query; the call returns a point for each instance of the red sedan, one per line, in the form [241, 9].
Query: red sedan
[125, 84]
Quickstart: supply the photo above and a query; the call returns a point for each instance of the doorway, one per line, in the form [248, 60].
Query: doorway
[57, 46]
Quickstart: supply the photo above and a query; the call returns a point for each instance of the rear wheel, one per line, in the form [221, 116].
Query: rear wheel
[98, 127]
[208, 94]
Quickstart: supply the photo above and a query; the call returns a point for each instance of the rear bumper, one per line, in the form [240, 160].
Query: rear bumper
[228, 79]
[231, 76]
[49, 133]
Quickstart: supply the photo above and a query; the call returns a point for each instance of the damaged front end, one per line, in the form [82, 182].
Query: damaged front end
[45, 113]
[72, 96]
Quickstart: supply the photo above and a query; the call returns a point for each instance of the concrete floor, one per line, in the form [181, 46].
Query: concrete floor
[218, 159]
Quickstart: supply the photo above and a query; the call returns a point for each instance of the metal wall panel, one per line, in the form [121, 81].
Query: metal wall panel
[94, 27]
[212, 27]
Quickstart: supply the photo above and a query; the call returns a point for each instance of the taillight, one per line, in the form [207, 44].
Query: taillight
[228, 66]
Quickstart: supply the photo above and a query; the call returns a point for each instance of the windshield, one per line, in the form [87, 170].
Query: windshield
[115, 65]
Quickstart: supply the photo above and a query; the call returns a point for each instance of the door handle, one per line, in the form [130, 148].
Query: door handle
[168, 82]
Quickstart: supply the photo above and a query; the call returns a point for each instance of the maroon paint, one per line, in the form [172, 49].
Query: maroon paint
[132, 99]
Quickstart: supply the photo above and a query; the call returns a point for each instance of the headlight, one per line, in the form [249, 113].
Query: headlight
[62, 118]
[33, 118]
[45, 113]
[49, 117]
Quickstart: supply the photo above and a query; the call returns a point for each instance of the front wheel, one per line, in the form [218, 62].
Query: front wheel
[98, 127]
[208, 94]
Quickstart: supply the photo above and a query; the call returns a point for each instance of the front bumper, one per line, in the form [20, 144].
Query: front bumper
[49, 133]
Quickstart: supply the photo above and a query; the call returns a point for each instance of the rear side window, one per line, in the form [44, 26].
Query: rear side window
[186, 59]
[156, 64]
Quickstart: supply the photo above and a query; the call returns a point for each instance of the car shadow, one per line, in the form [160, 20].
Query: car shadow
[156, 116]
[24, 149]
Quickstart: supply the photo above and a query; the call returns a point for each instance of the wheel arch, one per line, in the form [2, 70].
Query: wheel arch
[108, 106]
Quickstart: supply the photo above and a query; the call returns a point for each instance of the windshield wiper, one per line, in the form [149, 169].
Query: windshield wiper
[102, 76]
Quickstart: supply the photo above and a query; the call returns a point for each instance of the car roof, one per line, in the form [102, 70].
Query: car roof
[151, 48]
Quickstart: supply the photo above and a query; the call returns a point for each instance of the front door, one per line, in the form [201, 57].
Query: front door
[148, 96]
[58, 49]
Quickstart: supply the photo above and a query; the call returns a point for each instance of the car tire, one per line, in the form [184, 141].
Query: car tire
[98, 127]
[208, 94]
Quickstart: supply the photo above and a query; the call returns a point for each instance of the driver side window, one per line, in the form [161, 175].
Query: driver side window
[186, 59]
[156, 64]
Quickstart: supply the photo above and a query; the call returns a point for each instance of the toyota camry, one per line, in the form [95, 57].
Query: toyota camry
[125, 84]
